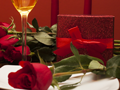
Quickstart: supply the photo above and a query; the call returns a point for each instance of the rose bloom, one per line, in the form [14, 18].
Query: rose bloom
[4, 41]
[14, 54]
[4, 38]
[32, 76]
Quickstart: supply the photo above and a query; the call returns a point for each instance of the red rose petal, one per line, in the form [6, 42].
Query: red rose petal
[34, 76]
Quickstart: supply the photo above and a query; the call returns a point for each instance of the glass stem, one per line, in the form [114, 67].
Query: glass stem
[24, 30]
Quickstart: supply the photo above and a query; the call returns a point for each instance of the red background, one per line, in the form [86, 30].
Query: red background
[42, 11]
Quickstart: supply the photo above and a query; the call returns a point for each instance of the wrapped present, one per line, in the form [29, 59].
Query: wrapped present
[90, 34]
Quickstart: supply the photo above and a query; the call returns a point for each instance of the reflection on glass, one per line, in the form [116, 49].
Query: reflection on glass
[24, 7]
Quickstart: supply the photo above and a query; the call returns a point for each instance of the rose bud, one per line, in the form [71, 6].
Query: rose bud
[3, 32]
[5, 41]
[32, 76]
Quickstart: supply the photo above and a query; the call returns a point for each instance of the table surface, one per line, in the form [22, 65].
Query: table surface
[90, 80]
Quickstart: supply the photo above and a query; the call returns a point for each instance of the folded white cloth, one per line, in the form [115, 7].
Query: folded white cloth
[88, 82]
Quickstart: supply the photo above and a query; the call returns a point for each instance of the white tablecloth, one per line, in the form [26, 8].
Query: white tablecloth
[89, 81]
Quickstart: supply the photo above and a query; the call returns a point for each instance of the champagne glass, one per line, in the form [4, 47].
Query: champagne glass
[24, 7]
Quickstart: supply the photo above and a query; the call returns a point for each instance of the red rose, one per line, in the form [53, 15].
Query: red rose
[14, 54]
[20, 49]
[5, 41]
[32, 76]
[2, 30]
[1, 55]
[44, 76]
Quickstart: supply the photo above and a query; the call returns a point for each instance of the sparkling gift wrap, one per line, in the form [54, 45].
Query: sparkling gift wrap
[91, 28]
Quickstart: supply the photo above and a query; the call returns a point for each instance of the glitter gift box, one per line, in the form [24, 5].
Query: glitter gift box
[91, 28]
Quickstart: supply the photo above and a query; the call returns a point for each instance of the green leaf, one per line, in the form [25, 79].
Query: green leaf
[84, 59]
[35, 24]
[31, 26]
[113, 67]
[29, 30]
[73, 62]
[101, 73]
[95, 65]
[55, 83]
[41, 60]
[29, 38]
[34, 45]
[69, 86]
[52, 68]
[96, 59]
[63, 68]
[74, 51]
[44, 38]
[54, 28]
[47, 29]
[46, 54]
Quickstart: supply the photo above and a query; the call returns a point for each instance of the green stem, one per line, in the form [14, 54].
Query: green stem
[117, 45]
[16, 32]
[74, 72]
[11, 22]
[28, 33]
[41, 60]
[31, 54]
[116, 41]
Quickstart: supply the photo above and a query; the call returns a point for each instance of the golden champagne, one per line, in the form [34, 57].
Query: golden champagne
[24, 5]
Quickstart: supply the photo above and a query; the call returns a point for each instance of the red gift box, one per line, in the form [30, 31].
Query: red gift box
[85, 29]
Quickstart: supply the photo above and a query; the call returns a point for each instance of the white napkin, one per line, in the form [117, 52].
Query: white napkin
[88, 81]
[4, 71]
